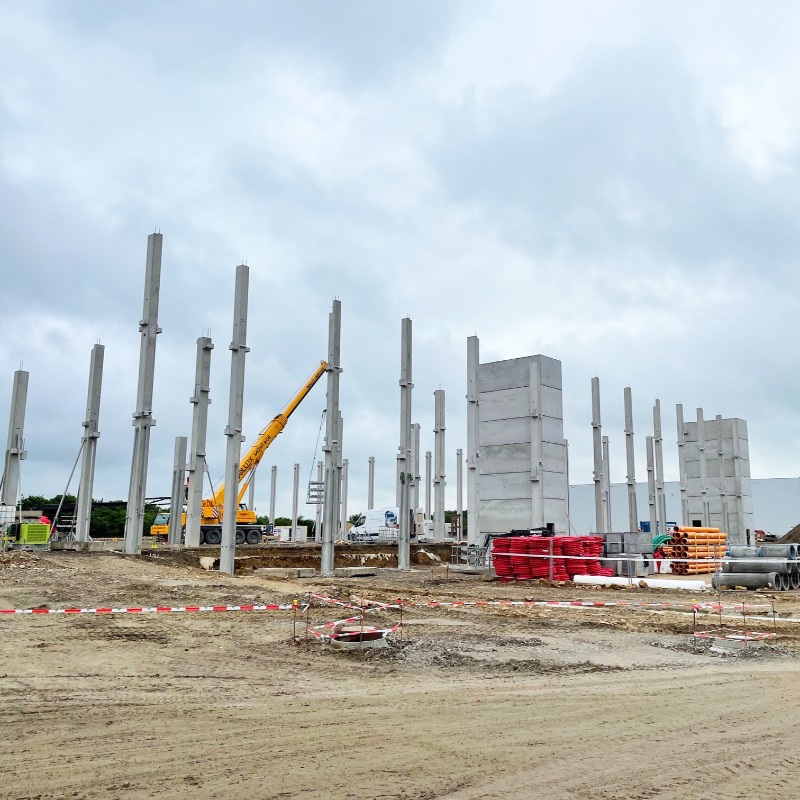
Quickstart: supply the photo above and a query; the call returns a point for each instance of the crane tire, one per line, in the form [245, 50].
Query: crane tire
[240, 536]
[253, 536]
[213, 535]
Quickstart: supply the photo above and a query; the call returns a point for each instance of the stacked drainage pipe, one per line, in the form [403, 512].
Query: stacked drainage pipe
[771, 566]
[700, 547]
[561, 558]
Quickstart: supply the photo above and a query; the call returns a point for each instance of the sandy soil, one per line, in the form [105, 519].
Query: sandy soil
[471, 703]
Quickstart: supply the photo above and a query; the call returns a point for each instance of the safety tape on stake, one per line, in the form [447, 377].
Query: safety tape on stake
[149, 609]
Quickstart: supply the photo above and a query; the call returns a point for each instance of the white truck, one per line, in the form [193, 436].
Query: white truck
[379, 525]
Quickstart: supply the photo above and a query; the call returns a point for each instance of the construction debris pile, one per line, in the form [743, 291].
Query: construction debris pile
[771, 566]
[559, 558]
[695, 551]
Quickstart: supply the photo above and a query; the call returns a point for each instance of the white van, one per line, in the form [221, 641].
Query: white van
[378, 525]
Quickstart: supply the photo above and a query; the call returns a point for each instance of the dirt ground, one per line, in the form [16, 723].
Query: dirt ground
[472, 702]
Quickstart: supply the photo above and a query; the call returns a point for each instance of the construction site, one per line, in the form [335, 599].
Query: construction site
[502, 652]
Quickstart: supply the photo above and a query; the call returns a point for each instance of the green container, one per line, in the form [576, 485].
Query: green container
[34, 533]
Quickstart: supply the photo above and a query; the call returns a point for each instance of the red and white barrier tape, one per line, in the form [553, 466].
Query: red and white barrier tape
[149, 609]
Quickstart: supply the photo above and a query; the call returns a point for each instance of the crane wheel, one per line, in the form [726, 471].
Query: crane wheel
[253, 536]
[213, 535]
[240, 536]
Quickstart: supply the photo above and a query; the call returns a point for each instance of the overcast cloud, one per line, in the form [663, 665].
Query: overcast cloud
[613, 184]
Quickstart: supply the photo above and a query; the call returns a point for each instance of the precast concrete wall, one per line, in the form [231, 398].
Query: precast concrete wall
[523, 460]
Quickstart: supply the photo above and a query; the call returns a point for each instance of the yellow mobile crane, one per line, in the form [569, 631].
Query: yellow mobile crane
[247, 529]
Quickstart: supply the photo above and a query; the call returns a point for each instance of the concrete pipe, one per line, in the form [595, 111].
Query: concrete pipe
[751, 580]
[794, 580]
[778, 551]
[744, 565]
[743, 552]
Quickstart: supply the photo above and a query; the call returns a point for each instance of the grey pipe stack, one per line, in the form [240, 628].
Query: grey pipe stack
[768, 580]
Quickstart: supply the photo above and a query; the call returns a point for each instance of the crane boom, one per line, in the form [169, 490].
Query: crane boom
[264, 440]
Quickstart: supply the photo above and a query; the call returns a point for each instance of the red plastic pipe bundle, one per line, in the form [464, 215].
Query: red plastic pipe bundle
[501, 559]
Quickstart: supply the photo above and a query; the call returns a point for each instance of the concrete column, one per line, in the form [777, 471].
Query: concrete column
[723, 489]
[606, 486]
[340, 469]
[295, 501]
[633, 511]
[83, 512]
[15, 449]
[413, 458]
[143, 416]
[371, 484]
[428, 486]
[176, 499]
[682, 465]
[535, 412]
[233, 430]
[659, 454]
[566, 484]
[460, 491]
[404, 450]
[318, 518]
[739, 536]
[597, 440]
[439, 480]
[473, 442]
[415, 437]
[701, 446]
[273, 493]
[345, 470]
[251, 490]
[332, 475]
[200, 400]
[651, 486]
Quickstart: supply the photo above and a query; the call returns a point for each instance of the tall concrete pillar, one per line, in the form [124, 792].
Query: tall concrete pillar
[460, 490]
[659, 454]
[176, 499]
[439, 480]
[273, 493]
[723, 488]
[251, 490]
[340, 469]
[701, 447]
[91, 433]
[597, 441]
[332, 475]
[413, 487]
[633, 511]
[428, 485]
[415, 437]
[200, 401]
[404, 449]
[473, 442]
[318, 517]
[295, 500]
[15, 448]
[536, 473]
[233, 430]
[651, 486]
[606, 486]
[566, 483]
[682, 465]
[371, 484]
[143, 416]
[345, 477]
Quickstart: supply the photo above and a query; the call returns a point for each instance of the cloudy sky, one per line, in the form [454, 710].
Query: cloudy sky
[610, 183]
